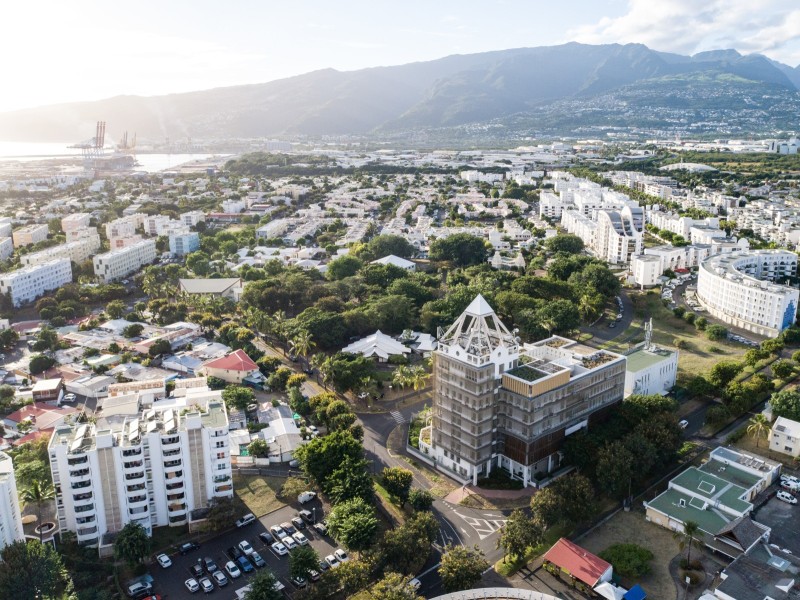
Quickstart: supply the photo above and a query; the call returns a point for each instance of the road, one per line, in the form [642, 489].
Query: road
[600, 330]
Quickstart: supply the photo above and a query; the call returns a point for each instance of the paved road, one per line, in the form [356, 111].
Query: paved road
[600, 329]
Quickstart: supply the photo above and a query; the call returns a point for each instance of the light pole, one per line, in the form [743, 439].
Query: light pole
[314, 513]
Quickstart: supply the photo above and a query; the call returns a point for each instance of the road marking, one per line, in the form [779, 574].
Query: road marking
[398, 417]
[464, 531]
[491, 515]
[483, 527]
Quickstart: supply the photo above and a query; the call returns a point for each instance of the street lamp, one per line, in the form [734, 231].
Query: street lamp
[314, 513]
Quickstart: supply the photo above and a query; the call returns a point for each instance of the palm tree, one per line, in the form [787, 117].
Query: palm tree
[758, 427]
[688, 538]
[417, 377]
[38, 493]
[279, 328]
[302, 344]
[400, 377]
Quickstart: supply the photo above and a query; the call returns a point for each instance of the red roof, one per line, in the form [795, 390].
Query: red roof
[235, 361]
[38, 410]
[33, 436]
[576, 561]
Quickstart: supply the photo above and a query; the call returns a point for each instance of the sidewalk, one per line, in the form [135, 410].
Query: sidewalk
[458, 494]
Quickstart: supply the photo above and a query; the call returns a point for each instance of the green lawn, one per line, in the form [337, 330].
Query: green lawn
[165, 538]
[258, 493]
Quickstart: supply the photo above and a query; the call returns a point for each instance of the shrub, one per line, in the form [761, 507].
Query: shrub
[736, 435]
[678, 311]
[630, 560]
[714, 349]
[689, 317]
[717, 414]
[680, 344]
[716, 332]
[700, 323]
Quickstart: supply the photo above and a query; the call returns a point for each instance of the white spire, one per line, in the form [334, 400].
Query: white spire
[479, 307]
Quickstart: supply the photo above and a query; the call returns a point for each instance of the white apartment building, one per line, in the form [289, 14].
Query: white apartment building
[233, 206]
[181, 244]
[73, 235]
[148, 461]
[76, 252]
[75, 221]
[192, 218]
[124, 226]
[738, 288]
[550, 205]
[28, 284]
[615, 236]
[6, 248]
[650, 370]
[784, 437]
[10, 518]
[120, 263]
[5, 226]
[31, 234]
[646, 270]
[162, 225]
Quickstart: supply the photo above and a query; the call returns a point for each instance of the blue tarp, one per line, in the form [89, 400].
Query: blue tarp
[635, 593]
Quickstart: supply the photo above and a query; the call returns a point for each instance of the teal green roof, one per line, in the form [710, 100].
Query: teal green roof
[731, 473]
[643, 359]
[669, 503]
[713, 489]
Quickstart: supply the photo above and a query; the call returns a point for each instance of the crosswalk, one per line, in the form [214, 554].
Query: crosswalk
[398, 417]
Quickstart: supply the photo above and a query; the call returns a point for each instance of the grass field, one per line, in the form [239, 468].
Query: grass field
[258, 493]
[700, 354]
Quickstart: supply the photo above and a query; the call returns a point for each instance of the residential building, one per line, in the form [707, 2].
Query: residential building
[496, 405]
[48, 390]
[32, 234]
[6, 226]
[192, 218]
[619, 235]
[741, 289]
[30, 283]
[646, 270]
[784, 437]
[75, 221]
[10, 518]
[236, 367]
[396, 261]
[145, 461]
[6, 248]
[650, 370]
[77, 252]
[122, 262]
[225, 287]
[181, 244]
[73, 235]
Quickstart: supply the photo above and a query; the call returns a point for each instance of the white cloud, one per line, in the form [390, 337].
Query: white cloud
[770, 27]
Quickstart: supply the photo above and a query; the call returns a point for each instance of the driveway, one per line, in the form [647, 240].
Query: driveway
[600, 330]
[784, 519]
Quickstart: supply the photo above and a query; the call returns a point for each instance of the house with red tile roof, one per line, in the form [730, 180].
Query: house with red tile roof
[233, 368]
[579, 563]
[40, 415]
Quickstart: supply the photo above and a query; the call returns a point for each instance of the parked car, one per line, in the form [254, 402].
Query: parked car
[321, 528]
[786, 497]
[246, 520]
[245, 566]
[323, 566]
[298, 523]
[192, 585]
[164, 561]
[300, 539]
[306, 515]
[305, 497]
[220, 579]
[299, 582]
[683, 424]
[138, 589]
[188, 547]
[332, 561]
[197, 569]
[257, 560]
[233, 552]
[68, 399]
[289, 542]
[209, 566]
[277, 531]
[415, 584]
[206, 584]
[245, 547]
[279, 549]
[233, 570]
[790, 478]
[341, 555]
[314, 575]
[288, 528]
[789, 485]
[266, 537]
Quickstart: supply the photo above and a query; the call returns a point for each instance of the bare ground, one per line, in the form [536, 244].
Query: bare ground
[631, 528]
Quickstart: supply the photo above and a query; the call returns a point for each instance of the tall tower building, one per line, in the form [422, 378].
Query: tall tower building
[10, 518]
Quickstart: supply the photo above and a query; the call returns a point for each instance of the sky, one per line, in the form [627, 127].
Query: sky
[55, 51]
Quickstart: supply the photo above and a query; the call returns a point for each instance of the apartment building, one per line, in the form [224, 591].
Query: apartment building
[192, 218]
[5, 226]
[741, 289]
[6, 248]
[181, 244]
[784, 437]
[76, 252]
[121, 262]
[496, 405]
[147, 461]
[75, 221]
[124, 226]
[29, 235]
[27, 284]
[10, 517]
[615, 236]
[74, 235]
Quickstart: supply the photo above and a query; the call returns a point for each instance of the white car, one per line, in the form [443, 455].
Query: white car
[332, 561]
[300, 539]
[220, 578]
[683, 424]
[192, 585]
[790, 485]
[790, 478]
[245, 547]
[306, 497]
[233, 570]
[164, 560]
[206, 584]
[341, 555]
[786, 497]
[415, 584]
[279, 549]
[289, 542]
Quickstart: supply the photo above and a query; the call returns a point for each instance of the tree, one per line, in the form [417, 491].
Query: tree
[350, 480]
[40, 363]
[8, 338]
[238, 397]
[258, 448]
[716, 333]
[758, 427]
[31, 570]
[571, 244]
[323, 455]
[115, 309]
[783, 369]
[397, 482]
[786, 404]
[303, 560]
[688, 538]
[461, 567]
[353, 576]
[262, 587]
[518, 534]
[774, 346]
[460, 249]
[546, 507]
[221, 513]
[406, 548]
[132, 544]
[394, 586]
[160, 347]
[723, 372]
[293, 487]
[615, 461]
[38, 493]
[342, 267]
[302, 343]
[630, 560]
[133, 330]
[420, 499]
[754, 355]
[353, 523]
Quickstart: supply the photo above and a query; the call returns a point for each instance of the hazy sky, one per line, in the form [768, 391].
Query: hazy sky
[56, 50]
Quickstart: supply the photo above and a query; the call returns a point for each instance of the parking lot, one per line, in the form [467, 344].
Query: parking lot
[784, 519]
[169, 582]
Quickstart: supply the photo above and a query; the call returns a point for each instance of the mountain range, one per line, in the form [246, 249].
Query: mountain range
[551, 89]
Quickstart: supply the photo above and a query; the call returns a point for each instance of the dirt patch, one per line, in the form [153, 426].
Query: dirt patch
[631, 528]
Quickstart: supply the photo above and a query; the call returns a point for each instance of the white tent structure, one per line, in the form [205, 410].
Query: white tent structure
[378, 344]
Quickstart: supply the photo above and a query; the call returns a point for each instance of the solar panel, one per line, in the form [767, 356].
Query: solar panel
[170, 426]
[81, 432]
[133, 425]
[152, 426]
[76, 443]
[134, 436]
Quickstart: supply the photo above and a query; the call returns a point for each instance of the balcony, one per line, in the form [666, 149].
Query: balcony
[168, 453]
[85, 520]
[177, 519]
[176, 485]
[178, 496]
[84, 531]
[79, 473]
[80, 460]
[137, 511]
[135, 488]
[137, 499]
[134, 476]
[172, 442]
[135, 464]
[223, 490]
[80, 485]
[81, 497]
[173, 476]
[176, 507]
[132, 452]
[86, 509]
[172, 465]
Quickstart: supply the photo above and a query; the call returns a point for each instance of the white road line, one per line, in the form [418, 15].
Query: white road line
[398, 417]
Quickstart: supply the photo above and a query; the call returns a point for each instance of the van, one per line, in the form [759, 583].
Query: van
[246, 520]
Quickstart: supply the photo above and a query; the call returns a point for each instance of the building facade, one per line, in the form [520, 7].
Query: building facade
[31, 234]
[120, 263]
[77, 252]
[181, 244]
[741, 289]
[784, 437]
[10, 517]
[497, 405]
[75, 221]
[147, 462]
[28, 284]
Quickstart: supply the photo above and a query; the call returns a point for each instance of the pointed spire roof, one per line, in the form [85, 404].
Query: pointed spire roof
[479, 307]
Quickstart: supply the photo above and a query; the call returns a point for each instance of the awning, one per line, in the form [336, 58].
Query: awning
[636, 593]
[607, 590]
